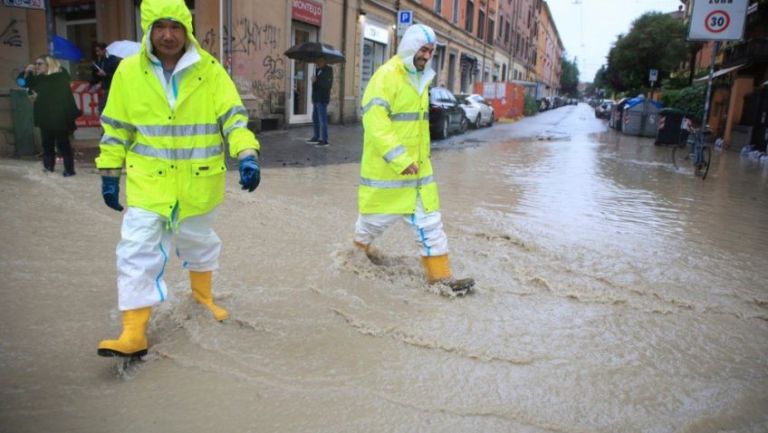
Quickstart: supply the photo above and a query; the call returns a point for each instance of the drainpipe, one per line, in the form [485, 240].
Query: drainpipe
[229, 37]
[342, 80]
[50, 25]
[397, 9]
[221, 31]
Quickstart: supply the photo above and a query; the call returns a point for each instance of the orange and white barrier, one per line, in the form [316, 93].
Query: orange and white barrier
[87, 100]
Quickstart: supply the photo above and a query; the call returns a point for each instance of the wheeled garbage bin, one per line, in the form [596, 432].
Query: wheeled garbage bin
[669, 127]
[23, 133]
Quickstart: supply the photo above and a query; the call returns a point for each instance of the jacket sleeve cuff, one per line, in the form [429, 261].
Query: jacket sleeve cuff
[400, 163]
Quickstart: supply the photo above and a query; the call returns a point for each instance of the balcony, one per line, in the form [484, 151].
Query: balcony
[754, 51]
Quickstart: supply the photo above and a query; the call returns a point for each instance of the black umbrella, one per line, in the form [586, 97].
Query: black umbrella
[311, 51]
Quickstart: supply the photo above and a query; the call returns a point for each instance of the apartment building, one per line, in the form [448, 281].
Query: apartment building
[479, 40]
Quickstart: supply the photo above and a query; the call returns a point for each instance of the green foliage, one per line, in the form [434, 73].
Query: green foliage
[655, 41]
[677, 82]
[569, 78]
[531, 107]
[690, 100]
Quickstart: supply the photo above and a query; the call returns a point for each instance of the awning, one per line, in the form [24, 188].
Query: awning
[469, 58]
[720, 73]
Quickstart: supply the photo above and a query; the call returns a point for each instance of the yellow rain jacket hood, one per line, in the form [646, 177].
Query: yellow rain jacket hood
[171, 136]
[396, 134]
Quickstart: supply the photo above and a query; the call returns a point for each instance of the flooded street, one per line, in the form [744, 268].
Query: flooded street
[615, 294]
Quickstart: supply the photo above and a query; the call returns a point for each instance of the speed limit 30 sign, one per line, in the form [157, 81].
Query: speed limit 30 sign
[717, 20]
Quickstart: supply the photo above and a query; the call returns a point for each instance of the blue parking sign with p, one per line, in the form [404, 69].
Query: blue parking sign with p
[405, 17]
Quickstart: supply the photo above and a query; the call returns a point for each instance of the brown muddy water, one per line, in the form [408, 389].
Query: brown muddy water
[615, 294]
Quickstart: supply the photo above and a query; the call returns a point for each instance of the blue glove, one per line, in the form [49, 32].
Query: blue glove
[250, 173]
[110, 190]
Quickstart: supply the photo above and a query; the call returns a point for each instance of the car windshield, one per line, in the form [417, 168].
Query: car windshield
[462, 99]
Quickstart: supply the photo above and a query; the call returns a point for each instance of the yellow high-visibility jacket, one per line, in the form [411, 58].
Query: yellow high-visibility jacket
[396, 134]
[173, 148]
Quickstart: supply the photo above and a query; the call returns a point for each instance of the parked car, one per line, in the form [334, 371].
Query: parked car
[603, 111]
[477, 110]
[445, 114]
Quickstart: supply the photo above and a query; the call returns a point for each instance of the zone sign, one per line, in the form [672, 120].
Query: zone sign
[717, 20]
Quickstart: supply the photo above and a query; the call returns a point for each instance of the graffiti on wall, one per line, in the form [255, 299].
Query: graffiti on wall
[210, 42]
[275, 68]
[248, 37]
[259, 67]
[10, 35]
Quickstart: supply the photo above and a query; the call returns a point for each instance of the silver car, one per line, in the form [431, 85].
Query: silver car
[478, 111]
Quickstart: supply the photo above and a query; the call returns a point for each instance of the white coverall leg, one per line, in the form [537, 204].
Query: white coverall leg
[144, 249]
[428, 227]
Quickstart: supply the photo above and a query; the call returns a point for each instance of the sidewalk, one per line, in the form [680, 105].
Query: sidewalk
[280, 148]
[288, 147]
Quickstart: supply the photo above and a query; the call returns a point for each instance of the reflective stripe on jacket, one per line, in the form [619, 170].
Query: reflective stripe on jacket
[396, 135]
[174, 154]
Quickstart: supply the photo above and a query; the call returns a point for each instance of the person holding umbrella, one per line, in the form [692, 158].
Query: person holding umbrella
[323, 55]
[171, 138]
[103, 69]
[322, 82]
[396, 178]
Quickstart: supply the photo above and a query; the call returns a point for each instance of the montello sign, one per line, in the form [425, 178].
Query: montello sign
[307, 11]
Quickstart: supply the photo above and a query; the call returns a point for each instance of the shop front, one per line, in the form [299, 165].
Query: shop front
[307, 18]
[374, 51]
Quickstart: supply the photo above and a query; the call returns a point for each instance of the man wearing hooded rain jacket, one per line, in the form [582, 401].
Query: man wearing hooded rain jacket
[396, 179]
[171, 109]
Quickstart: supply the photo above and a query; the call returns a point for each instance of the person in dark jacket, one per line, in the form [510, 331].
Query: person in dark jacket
[103, 69]
[322, 82]
[48, 85]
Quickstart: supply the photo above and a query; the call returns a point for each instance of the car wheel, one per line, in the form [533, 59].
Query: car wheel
[490, 121]
[476, 123]
[464, 124]
[444, 129]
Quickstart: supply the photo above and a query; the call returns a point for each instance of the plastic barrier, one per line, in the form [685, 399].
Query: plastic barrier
[507, 99]
[87, 100]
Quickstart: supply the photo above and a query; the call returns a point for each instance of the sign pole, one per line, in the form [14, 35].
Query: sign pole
[715, 48]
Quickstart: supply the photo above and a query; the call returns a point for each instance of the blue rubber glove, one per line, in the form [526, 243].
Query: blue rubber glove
[110, 190]
[250, 173]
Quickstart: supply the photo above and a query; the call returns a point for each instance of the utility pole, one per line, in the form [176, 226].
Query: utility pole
[397, 9]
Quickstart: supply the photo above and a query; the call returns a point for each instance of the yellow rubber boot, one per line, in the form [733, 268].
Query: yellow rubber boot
[438, 270]
[133, 340]
[201, 291]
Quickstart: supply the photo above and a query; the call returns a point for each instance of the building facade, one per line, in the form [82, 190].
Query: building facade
[479, 40]
[549, 49]
[739, 102]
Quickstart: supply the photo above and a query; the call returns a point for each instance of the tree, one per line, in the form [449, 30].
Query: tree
[655, 41]
[569, 78]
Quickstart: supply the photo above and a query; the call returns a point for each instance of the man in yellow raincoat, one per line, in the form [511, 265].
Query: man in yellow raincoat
[172, 111]
[396, 179]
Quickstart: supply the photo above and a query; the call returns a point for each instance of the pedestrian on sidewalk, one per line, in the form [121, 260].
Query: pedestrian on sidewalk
[322, 81]
[55, 110]
[170, 137]
[103, 69]
[396, 179]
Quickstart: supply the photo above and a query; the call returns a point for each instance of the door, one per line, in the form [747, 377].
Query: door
[301, 73]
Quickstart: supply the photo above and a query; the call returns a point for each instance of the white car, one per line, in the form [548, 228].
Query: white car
[478, 111]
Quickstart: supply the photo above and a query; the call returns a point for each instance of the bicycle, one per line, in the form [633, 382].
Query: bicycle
[700, 151]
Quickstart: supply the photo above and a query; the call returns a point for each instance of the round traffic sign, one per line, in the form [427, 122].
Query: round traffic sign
[717, 21]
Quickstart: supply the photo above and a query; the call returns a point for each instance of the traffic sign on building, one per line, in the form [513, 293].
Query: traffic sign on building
[404, 20]
[717, 20]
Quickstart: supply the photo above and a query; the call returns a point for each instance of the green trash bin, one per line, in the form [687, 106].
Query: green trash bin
[23, 123]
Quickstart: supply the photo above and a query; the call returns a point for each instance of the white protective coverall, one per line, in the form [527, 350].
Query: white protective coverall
[427, 225]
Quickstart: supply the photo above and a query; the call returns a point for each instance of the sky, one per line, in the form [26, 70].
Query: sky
[588, 28]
